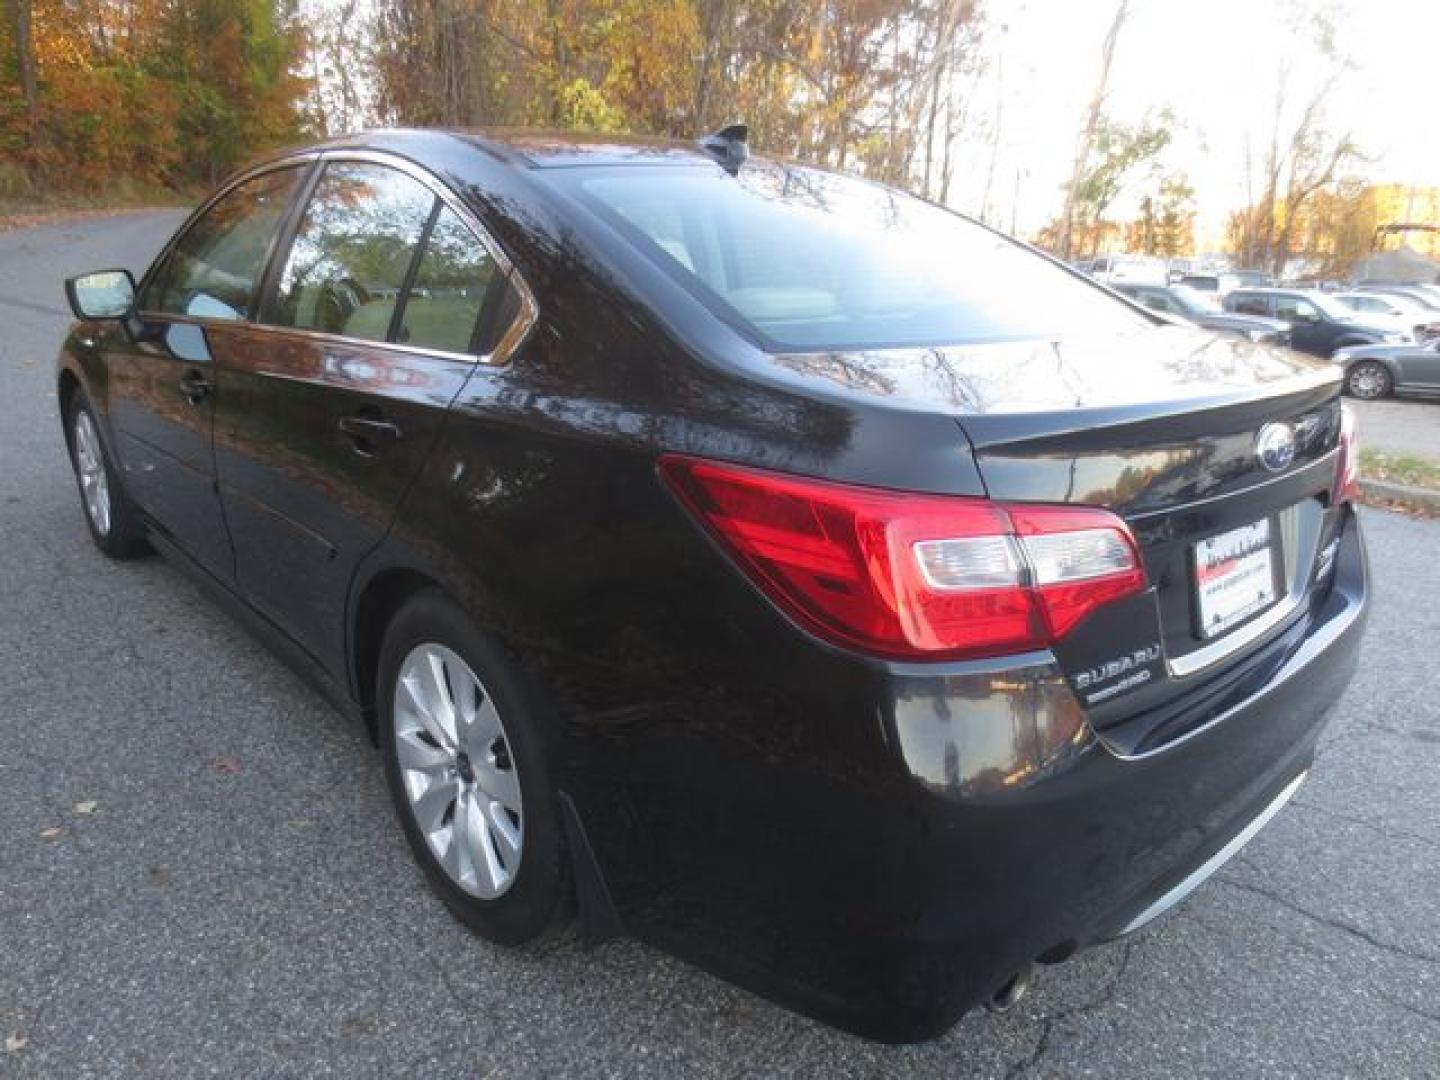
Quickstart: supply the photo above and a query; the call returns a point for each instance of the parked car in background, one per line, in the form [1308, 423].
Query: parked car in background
[1217, 284]
[1204, 310]
[1319, 324]
[1427, 296]
[709, 557]
[1129, 269]
[1254, 278]
[1407, 312]
[1376, 371]
[1178, 268]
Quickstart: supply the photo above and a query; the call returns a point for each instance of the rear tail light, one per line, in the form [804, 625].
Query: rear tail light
[909, 576]
[1347, 465]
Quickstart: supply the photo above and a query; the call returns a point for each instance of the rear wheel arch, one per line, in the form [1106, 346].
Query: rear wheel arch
[378, 603]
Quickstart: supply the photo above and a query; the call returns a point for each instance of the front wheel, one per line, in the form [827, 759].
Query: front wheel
[1368, 380]
[467, 773]
[114, 522]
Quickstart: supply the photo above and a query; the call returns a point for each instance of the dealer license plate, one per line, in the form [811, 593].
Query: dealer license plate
[1234, 577]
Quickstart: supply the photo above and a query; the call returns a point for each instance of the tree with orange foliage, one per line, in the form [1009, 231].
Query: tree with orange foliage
[166, 93]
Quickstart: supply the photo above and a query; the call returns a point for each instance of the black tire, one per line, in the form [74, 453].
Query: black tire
[539, 898]
[124, 536]
[1368, 380]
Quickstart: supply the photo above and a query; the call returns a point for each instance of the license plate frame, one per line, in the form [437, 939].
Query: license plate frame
[1233, 577]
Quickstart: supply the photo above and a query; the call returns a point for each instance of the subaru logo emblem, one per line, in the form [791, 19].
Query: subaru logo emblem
[1275, 446]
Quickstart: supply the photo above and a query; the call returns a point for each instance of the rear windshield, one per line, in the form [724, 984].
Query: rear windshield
[810, 261]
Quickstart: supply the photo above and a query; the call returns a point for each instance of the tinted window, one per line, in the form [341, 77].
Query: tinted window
[454, 276]
[1192, 302]
[214, 269]
[1158, 301]
[1248, 305]
[1295, 309]
[809, 260]
[352, 251]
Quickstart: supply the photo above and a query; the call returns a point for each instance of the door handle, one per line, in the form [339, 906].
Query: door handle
[195, 386]
[369, 433]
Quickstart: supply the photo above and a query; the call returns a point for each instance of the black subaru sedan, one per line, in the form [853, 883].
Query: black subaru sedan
[764, 563]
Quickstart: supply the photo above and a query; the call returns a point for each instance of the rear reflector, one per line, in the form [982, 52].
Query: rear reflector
[909, 576]
[1347, 466]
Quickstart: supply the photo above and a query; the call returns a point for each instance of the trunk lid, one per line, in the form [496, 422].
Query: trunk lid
[1205, 494]
[1163, 428]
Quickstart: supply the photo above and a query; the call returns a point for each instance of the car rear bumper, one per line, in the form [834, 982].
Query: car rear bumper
[1178, 892]
[890, 899]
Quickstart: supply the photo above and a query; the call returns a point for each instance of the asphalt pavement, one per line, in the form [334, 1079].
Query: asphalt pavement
[1408, 426]
[200, 873]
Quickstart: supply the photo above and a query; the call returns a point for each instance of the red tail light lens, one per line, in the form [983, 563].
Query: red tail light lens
[1347, 466]
[916, 577]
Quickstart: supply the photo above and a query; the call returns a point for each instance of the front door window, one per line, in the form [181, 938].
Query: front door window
[213, 271]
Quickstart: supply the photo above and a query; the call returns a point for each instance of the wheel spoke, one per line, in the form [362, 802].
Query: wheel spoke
[482, 728]
[417, 704]
[437, 693]
[430, 807]
[505, 833]
[459, 857]
[488, 868]
[467, 695]
[418, 754]
[502, 785]
[102, 502]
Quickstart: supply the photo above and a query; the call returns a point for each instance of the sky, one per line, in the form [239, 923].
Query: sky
[1214, 64]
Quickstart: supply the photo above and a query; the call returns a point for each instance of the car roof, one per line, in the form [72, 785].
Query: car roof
[1275, 290]
[523, 147]
[553, 149]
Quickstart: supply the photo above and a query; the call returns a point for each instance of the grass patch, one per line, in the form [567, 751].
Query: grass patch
[1400, 469]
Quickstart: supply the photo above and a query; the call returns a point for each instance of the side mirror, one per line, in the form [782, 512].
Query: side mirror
[105, 294]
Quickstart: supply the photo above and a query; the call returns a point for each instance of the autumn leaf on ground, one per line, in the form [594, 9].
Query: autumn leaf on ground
[15, 1043]
[85, 807]
[54, 832]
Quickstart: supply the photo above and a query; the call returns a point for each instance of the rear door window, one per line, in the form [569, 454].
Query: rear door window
[1250, 305]
[455, 275]
[352, 252]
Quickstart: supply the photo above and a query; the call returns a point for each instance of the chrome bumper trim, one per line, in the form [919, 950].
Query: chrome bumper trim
[1198, 876]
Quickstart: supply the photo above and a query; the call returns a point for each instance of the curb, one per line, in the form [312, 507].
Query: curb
[1385, 491]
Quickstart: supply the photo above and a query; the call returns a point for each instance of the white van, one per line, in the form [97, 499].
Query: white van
[1130, 270]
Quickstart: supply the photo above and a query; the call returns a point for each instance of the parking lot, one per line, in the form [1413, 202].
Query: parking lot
[200, 873]
[1405, 426]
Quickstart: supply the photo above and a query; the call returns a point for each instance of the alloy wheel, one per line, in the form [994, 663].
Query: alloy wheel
[458, 772]
[90, 465]
[1367, 382]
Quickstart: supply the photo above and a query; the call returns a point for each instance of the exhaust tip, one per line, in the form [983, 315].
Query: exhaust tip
[1008, 994]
